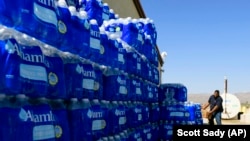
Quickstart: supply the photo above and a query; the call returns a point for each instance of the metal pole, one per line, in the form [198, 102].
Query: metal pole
[225, 90]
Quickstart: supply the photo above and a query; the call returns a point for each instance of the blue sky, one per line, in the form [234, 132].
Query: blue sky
[205, 40]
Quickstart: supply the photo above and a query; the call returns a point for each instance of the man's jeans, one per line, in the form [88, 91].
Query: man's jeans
[217, 117]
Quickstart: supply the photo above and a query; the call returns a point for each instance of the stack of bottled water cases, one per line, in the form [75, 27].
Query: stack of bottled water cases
[74, 71]
[175, 109]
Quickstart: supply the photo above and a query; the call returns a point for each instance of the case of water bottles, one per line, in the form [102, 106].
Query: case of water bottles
[72, 70]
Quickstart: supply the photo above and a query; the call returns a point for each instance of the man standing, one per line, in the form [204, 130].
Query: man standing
[216, 108]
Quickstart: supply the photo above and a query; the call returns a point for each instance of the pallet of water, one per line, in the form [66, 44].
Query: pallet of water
[174, 105]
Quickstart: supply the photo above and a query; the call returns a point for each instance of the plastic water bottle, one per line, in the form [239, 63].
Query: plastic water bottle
[98, 117]
[74, 113]
[6, 128]
[10, 13]
[198, 114]
[61, 123]
[139, 90]
[10, 62]
[118, 117]
[98, 86]
[149, 94]
[94, 43]
[43, 128]
[130, 114]
[105, 11]
[86, 105]
[147, 132]
[147, 49]
[82, 34]
[64, 22]
[136, 135]
[122, 116]
[56, 78]
[109, 45]
[113, 118]
[145, 113]
[161, 94]
[141, 36]
[153, 74]
[112, 14]
[139, 66]
[150, 29]
[2, 59]
[131, 63]
[140, 113]
[154, 112]
[20, 117]
[149, 75]
[135, 89]
[116, 55]
[155, 131]
[104, 43]
[144, 71]
[27, 22]
[122, 56]
[74, 40]
[106, 108]
[163, 111]
[80, 121]
[111, 52]
[130, 33]
[154, 57]
[74, 87]
[156, 76]
[167, 131]
[137, 114]
[95, 10]
[155, 91]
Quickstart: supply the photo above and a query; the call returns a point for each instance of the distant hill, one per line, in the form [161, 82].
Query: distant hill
[202, 98]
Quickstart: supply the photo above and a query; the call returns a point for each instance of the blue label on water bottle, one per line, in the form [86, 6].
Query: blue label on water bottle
[38, 122]
[33, 72]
